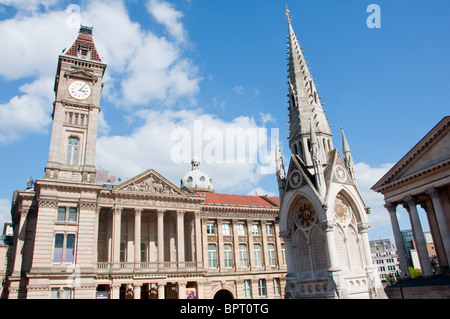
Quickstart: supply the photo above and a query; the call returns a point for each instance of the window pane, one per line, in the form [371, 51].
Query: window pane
[61, 214]
[257, 253]
[59, 242]
[72, 214]
[212, 256]
[243, 255]
[262, 287]
[70, 248]
[67, 293]
[228, 256]
[54, 293]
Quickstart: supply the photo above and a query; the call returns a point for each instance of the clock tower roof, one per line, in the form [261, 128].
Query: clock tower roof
[84, 47]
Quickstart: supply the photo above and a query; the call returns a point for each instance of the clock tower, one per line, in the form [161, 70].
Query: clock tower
[78, 87]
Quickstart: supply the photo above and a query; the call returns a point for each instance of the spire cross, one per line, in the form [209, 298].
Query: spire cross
[288, 14]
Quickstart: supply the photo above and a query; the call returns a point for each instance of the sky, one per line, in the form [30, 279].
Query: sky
[183, 74]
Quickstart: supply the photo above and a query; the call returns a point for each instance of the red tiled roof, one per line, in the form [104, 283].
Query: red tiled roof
[84, 38]
[240, 200]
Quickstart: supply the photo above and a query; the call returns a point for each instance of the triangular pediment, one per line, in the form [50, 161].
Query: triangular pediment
[432, 152]
[335, 171]
[150, 182]
[81, 74]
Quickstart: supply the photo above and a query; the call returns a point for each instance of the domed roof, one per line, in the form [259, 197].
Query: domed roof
[196, 180]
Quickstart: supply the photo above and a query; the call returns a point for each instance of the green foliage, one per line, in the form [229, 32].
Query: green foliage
[414, 273]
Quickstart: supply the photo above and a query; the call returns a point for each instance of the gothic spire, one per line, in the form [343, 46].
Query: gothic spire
[304, 101]
[348, 158]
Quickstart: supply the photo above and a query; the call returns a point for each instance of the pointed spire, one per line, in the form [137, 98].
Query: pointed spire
[281, 173]
[304, 100]
[348, 158]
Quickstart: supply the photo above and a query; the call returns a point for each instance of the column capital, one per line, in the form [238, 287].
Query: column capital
[410, 200]
[327, 225]
[160, 211]
[180, 212]
[391, 207]
[138, 210]
[363, 227]
[118, 209]
[433, 193]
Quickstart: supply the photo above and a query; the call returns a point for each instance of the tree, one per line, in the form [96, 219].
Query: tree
[414, 273]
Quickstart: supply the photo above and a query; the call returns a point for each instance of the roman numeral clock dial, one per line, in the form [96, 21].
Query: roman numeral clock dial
[79, 90]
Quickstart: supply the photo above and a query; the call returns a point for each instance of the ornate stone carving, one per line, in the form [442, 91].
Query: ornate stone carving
[150, 185]
[48, 203]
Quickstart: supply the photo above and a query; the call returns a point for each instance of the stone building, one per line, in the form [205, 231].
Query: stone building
[145, 238]
[323, 218]
[422, 177]
[384, 256]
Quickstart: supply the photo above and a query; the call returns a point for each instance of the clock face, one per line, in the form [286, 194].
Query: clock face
[79, 90]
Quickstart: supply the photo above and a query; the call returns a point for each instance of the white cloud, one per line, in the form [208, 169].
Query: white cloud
[261, 192]
[29, 5]
[164, 13]
[366, 177]
[157, 144]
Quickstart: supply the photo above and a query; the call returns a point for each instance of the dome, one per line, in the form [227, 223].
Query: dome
[196, 180]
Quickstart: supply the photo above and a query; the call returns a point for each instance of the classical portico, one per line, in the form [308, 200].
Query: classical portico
[422, 178]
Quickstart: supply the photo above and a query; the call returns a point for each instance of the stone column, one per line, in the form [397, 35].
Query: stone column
[419, 238]
[265, 254]
[137, 237]
[440, 217]
[236, 256]
[198, 241]
[279, 253]
[161, 291]
[251, 253]
[117, 219]
[363, 228]
[180, 239]
[161, 238]
[137, 290]
[21, 232]
[219, 248]
[182, 291]
[401, 252]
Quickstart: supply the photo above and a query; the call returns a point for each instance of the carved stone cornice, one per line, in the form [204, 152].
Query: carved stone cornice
[48, 203]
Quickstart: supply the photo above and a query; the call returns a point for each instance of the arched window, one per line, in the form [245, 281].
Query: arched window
[73, 147]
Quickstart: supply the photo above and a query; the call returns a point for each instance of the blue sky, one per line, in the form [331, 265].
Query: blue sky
[223, 63]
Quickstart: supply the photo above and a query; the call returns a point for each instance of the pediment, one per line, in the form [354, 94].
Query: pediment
[335, 171]
[150, 182]
[81, 74]
[432, 152]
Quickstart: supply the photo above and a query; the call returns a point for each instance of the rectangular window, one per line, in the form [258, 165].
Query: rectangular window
[54, 293]
[70, 248]
[61, 214]
[241, 229]
[283, 254]
[269, 229]
[59, 246]
[262, 288]
[226, 229]
[243, 255]
[67, 214]
[228, 256]
[247, 289]
[255, 229]
[211, 228]
[271, 254]
[72, 214]
[212, 256]
[257, 255]
[276, 287]
[73, 145]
